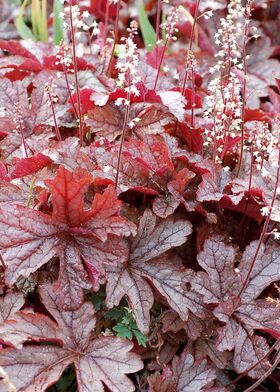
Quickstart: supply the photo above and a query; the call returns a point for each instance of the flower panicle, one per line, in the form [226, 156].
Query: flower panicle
[127, 64]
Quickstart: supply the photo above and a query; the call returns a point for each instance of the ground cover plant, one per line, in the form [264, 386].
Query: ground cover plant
[140, 195]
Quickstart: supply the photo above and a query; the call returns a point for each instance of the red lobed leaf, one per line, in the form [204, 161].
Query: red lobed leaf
[25, 166]
[68, 191]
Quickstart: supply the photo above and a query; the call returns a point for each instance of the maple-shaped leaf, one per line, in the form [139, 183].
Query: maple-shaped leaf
[106, 121]
[192, 375]
[153, 118]
[175, 102]
[28, 240]
[185, 375]
[68, 190]
[38, 113]
[99, 362]
[147, 261]
[31, 238]
[147, 166]
[36, 117]
[165, 205]
[10, 303]
[164, 382]
[192, 137]
[139, 164]
[13, 194]
[19, 58]
[12, 146]
[26, 57]
[172, 322]
[218, 186]
[69, 154]
[239, 308]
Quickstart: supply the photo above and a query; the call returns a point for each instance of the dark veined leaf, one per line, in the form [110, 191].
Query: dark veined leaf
[99, 362]
[241, 312]
[31, 238]
[147, 261]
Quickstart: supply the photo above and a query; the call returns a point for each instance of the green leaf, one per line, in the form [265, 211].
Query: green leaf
[141, 339]
[127, 320]
[57, 20]
[66, 383]
[23, 30]
[16, 2]
[147, 29]
[98, 300]
[123, 332]
[115, 314]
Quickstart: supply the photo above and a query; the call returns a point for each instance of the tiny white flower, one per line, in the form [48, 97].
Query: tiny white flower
[86, 14]
[265, 211]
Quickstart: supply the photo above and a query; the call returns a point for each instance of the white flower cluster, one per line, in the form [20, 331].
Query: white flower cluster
[265, 211]
[265, 143]
[170, 25]
[63, 57]
[191, 64]
[18, 116]
[80, 21]
[49, 89]
[224, 104]
[224, 107]
[127, 65]
[227, 38]
[276, 235]
[208, 14]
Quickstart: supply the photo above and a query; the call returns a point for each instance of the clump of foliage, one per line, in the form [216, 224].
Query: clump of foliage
[140, 202]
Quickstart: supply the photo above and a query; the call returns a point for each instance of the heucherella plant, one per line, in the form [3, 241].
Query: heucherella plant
[127, 66]
[226, 102]
[140, 196]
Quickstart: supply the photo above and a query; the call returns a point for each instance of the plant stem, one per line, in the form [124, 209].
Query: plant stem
[160, 62]
[116, 30]
[23, 140]
[244, 90]
[69, 91]
[158, 22]
[126, 116]
[275, 346]
[192, 70]
[264, 227]
[253, 387]
[194, 24]
[57, 132]
[2, 262]
[76, 74]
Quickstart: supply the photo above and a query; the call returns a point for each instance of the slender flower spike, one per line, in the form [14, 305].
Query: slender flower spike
[49, 89]
[64, 58]
[128, 78]
[18, 118]
[170, 24]
[225, 101]
[127, 63]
